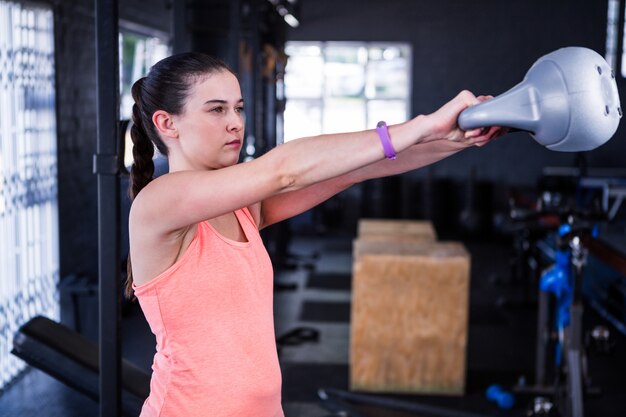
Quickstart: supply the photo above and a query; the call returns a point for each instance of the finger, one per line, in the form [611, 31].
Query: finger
[503, 131]
[491, 131]
[488, 135]
[467, 98]
[478, 132]
[469, 134]
[497, 131]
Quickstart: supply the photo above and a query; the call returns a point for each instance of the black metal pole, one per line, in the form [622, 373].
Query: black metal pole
[106, 169]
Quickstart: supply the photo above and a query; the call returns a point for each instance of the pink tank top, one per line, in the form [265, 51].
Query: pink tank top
[212, 315]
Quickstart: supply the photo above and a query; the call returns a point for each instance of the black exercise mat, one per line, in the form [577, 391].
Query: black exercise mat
[325, 311]
[73, 359]
[330, 281]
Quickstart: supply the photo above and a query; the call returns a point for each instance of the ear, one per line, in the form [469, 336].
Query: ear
[165, 124]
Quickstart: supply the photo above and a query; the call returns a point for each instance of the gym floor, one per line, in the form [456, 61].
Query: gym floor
[317, 295]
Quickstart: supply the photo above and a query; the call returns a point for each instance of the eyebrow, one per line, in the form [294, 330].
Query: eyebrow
[218, 101]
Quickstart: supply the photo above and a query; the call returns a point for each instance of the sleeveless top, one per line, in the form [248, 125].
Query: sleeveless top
[212, 315]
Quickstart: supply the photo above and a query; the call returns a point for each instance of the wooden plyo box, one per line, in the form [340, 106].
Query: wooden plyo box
[409, 317]
[396, 230]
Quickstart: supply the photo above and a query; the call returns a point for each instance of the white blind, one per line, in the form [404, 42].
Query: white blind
[29, 254]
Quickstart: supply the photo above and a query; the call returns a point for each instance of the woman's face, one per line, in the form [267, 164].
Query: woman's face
[211, 127]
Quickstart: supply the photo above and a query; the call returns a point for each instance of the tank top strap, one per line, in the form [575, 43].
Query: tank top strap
[246, 220]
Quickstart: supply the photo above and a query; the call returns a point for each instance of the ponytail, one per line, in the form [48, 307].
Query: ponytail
[142, 169]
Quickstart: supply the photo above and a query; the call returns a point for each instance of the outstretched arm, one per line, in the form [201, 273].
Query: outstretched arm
[177, 200]
[286, 205]
[172, 202]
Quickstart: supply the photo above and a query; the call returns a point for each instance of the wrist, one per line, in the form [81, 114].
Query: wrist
[385, 140]
[429, 129]
[419, 129]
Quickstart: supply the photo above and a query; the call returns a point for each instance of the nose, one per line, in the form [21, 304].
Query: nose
[236, 122]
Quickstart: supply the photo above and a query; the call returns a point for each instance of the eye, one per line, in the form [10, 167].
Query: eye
[218, 109]
[239, 109]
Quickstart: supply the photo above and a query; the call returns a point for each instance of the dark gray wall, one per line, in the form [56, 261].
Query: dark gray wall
[76, 115]
[485, 46]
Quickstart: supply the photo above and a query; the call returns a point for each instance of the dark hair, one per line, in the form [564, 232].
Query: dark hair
[166, 87]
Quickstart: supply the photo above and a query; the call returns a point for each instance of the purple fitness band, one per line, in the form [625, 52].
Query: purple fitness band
[381, 129]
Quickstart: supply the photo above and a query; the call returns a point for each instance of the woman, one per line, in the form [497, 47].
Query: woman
[199, 268]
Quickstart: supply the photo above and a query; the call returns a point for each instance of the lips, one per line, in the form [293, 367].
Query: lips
[236, 142]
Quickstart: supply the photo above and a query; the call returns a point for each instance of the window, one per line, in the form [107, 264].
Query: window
[344, 86]
[612, 30]
[138, 52]
[29, 253]
[613, 54]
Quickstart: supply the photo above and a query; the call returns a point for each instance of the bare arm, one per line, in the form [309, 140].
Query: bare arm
[177, 200]
[286, 205]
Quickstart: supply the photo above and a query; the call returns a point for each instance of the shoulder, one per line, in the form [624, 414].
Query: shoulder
[156, 203]
[165, 192]
[146, 198]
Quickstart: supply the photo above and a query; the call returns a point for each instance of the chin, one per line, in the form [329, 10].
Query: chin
[231, 162]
